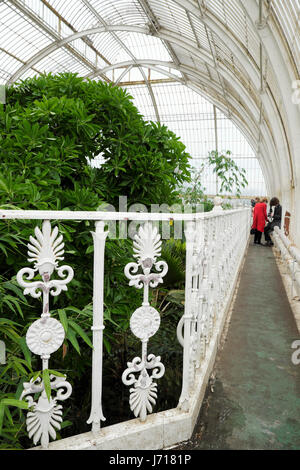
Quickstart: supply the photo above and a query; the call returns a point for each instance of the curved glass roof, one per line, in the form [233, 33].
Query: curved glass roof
[202, 129]
[219, 49]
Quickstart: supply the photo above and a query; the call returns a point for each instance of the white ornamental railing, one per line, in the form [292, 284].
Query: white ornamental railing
[291, 255]
[215, 245]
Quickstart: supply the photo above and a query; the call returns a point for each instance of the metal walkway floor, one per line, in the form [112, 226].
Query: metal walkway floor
[255, 400]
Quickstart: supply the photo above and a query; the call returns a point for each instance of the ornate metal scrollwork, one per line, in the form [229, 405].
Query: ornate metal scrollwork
[145, 321]
[46, 334]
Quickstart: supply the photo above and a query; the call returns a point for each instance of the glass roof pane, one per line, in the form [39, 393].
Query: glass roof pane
[62, 61]
[8, 65]
[191, 117]
[172, 17]
[288, 16]
[142, 46]
[109, 46]
[18, 36]
[142, 101]
[75, 12]
[120, 12]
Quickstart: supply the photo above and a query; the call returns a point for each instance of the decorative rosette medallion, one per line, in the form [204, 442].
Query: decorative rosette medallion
[145, 321]
[45, 335]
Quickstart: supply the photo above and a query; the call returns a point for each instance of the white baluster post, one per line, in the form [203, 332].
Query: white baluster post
[187, 317]
[99, 237]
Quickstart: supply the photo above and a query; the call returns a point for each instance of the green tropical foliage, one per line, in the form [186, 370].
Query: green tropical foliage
[194, 192]
[231, 177]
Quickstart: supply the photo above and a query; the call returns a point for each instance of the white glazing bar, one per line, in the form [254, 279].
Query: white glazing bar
[99, 237]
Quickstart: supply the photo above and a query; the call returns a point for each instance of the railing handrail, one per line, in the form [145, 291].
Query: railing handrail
[110, 216]
[292, 249]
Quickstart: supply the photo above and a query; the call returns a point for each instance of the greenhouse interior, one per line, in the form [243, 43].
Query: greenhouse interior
[150, 226]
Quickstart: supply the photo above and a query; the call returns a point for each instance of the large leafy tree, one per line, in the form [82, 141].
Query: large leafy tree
[51, 125]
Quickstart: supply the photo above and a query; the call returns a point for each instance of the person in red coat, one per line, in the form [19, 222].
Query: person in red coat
[259, 221]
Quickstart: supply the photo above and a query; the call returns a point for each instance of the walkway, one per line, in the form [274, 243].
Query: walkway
[255, 401]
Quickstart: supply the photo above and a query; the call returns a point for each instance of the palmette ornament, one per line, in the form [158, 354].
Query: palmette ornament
[143, 396]
[45, 335]
[46, 415]
[45, 251]
[147, 248]
[145, 321]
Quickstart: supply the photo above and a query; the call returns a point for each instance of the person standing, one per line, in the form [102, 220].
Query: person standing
[253, 202]
[276, 220]
[259, 220]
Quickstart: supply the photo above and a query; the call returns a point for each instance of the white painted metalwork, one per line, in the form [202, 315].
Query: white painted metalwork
[145, 321]
[291, 256]
[46, 334]
[96, 415]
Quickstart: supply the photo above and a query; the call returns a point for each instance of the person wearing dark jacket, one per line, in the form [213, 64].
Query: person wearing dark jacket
[276, 220]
